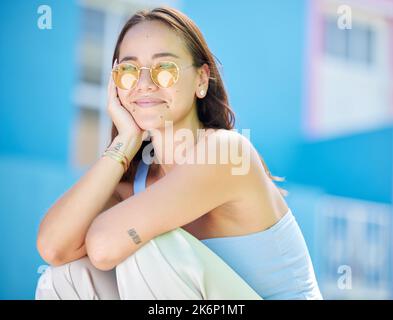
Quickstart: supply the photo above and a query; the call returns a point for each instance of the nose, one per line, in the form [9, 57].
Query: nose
[145, 82]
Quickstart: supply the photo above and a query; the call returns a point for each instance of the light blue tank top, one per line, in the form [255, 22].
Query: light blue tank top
[274, 262]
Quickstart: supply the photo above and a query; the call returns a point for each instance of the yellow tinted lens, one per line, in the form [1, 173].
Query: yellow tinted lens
[125, 76]
[165, 74]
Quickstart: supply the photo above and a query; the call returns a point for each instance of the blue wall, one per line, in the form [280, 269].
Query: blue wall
[36, 79]
[358, 166]
[36, 111]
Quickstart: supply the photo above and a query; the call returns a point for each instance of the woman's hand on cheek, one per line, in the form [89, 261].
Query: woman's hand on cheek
[121, 117]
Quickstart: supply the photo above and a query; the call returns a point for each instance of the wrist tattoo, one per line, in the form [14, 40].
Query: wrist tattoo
[135, 237]
[118, 145]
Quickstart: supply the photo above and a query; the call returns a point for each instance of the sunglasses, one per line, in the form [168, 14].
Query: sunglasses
[164, 74]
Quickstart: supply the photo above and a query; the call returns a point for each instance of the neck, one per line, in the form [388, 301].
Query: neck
[164, 143]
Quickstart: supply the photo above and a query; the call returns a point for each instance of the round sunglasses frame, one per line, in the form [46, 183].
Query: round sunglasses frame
[139, 69]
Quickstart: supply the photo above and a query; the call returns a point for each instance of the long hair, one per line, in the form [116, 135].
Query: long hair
[213, 110]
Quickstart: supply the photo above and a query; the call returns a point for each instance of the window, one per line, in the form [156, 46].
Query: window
[357, 237]
[350, 73]
[91, 50]
[356, 44]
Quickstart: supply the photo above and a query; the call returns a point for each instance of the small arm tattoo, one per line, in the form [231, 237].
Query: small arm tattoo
[118, 145]
[134, 236]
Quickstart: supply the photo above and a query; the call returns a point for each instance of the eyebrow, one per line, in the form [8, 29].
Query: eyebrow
[154, 56]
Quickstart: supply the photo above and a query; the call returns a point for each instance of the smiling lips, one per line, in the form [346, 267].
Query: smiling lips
[146, 103]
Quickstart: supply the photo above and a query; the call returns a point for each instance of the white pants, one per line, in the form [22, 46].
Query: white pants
[173, 266]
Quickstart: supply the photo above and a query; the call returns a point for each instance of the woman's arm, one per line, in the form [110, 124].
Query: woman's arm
[63, 230]
[186, 193]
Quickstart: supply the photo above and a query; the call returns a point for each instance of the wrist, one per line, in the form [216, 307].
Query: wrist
[127, 144]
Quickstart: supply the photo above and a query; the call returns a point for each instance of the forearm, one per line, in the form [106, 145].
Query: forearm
[65, 225]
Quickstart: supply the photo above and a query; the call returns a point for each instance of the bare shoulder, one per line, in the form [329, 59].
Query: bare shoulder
[248, 169]
[236, 149]
[254, 203]
[223, 133]
[234, 140]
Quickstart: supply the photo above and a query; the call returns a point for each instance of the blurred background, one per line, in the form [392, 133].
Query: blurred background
[311, 79]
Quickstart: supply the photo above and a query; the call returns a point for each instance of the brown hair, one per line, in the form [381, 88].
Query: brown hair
[213, 110]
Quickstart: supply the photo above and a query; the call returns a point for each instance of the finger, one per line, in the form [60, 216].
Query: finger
[112, 92]
[112, 88]
[110, 84]
[111, 75]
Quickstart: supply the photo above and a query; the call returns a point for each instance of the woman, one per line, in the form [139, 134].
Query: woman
[174, 227]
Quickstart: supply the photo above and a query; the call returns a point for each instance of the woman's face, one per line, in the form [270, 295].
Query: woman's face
[139, 46]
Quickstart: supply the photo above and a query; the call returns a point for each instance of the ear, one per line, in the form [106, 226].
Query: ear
[203, 81]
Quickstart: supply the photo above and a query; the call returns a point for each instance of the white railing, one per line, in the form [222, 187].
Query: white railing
[354, 244]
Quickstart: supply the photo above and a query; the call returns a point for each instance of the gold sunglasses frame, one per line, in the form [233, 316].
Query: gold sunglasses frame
[139, 69]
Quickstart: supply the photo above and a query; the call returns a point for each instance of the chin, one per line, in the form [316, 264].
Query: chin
[152, 124]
